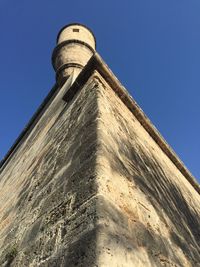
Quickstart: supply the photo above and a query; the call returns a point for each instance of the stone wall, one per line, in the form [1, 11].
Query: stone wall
[89, 187]
[48, 188]
[151, 213]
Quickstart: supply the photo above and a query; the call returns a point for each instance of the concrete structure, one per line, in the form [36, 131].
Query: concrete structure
[90, 182]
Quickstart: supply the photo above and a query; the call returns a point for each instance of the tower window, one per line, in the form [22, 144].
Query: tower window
[75, 30]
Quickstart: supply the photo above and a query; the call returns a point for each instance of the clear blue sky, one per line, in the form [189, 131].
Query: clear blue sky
[153, 47]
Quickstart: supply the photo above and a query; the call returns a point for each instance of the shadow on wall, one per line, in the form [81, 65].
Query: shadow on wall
[130, 241]
[55, 172]
[162, 193]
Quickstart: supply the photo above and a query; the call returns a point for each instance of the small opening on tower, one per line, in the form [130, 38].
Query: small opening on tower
[75, 30]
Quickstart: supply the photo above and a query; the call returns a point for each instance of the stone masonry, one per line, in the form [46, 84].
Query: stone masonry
[91, 182]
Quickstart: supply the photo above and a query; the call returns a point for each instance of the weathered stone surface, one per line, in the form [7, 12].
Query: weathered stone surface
[90, 187]
[151, 213]
[48, 187]
[75, 46]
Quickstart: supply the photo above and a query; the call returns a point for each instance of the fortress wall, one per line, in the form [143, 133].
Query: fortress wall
[150, 212]
[48, 189]
[89, 187]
